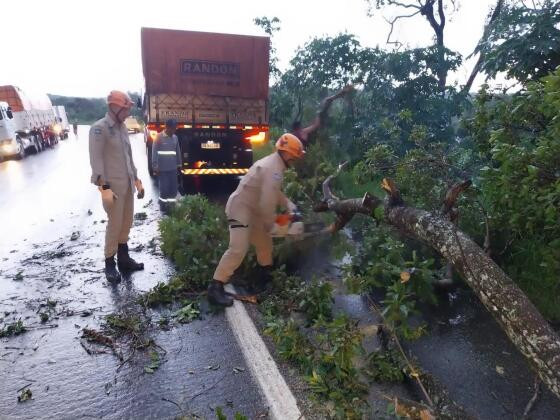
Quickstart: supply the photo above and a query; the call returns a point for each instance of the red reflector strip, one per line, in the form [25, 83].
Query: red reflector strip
[216, 171]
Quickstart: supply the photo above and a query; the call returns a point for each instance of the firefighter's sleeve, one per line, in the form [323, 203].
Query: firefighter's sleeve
[285, 202]
[270, 188]
[135, 172]
[96, 146]
[155, 147]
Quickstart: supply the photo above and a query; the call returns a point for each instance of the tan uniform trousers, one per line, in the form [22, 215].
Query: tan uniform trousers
[240, 237]
[119, 221]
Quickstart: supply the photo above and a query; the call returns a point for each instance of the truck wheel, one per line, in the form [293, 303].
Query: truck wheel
[42, 143]
[21, 154]
[149, 154]
[36, 145]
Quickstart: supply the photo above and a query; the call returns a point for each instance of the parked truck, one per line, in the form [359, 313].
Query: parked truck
[27, 122]
[216, 87]
[62, 126]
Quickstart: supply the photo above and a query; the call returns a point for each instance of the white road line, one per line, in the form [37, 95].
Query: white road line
[281, 401]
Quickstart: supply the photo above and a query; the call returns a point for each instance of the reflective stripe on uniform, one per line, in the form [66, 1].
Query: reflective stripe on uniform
[167, 152]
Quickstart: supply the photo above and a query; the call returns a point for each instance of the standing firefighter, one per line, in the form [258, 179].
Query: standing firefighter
[166, 159]
[251, 213]
[113, 171]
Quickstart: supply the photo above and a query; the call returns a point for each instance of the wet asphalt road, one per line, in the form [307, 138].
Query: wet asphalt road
[44, 200]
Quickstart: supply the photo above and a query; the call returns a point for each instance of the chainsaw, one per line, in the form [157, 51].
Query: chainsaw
[291, 226]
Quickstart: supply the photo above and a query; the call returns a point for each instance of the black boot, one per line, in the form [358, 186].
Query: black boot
[125, 262]
[217, 294]
[113, 276]
[263, 278]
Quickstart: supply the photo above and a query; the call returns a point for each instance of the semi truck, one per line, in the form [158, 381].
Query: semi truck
[28, 122]
[216, 87]
[62, 126]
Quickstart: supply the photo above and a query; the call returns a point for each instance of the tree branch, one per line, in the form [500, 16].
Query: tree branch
[407, 6]
[450, 202]
[485, 33]
[392, 23]
[441, 14]
[344, 209]
[428, 11]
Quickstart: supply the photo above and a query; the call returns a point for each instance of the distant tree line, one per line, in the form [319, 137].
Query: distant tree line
[88, 110]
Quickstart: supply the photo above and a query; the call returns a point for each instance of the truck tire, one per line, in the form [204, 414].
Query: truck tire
[21, 154]
[41, 141]
[149, 155]
[37, 145]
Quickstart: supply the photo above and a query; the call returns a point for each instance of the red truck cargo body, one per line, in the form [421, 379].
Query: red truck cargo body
[28, 122]
[202, 63]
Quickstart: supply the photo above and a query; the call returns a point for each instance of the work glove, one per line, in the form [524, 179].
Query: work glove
[139, 188]
[108, 198]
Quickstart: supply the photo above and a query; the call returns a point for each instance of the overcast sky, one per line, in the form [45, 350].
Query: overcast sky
[87, 48]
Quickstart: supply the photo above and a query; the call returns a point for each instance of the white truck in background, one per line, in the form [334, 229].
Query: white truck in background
[62, 127]
[27, 124]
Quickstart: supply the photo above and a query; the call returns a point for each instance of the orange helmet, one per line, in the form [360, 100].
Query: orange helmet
[290, 144]
[119, 98]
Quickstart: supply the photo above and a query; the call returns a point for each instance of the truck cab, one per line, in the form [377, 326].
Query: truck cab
[10, 144]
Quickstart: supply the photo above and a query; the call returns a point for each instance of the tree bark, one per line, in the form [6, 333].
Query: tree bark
[518, 317]
[438, 27]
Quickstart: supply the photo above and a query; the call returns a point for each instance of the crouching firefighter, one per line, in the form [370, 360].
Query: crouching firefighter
[114, 173]
[251, 213]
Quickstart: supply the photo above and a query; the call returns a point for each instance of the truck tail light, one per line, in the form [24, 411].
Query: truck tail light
[153, 130]
[257, 138]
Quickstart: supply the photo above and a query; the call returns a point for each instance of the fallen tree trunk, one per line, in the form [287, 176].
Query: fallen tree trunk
[518, 317]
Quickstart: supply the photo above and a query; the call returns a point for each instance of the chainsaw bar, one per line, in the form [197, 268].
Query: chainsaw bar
[313, 227]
